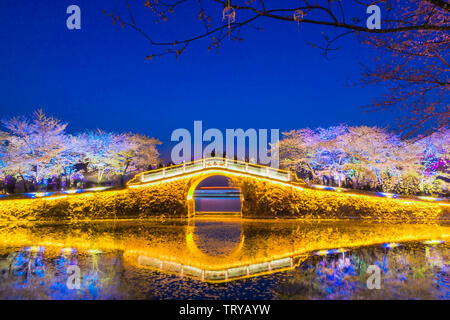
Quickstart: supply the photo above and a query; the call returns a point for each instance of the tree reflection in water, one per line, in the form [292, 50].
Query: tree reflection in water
[410, 271]
[34, 259]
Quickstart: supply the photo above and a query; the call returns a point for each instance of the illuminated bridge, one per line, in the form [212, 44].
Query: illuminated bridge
[195, 172]
[222, 165]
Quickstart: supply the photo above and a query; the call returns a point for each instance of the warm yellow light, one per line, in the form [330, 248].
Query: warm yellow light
[434, 241]
[427, 198]
[55, 198]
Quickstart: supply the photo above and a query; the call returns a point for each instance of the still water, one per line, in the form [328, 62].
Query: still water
[217, 199]
[223, 258]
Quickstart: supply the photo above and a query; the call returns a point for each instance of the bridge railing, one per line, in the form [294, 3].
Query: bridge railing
[223, 163]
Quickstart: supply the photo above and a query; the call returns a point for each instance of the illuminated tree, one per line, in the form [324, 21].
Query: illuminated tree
[331, 153]
[133, 152]
[13, 159]
[96, 148]
[38, 149]
[374, 153]
[435, 161]
[72, 156]
[297, 151]
[370, 157]
[109, 154]
[436, 154]
[33, 146]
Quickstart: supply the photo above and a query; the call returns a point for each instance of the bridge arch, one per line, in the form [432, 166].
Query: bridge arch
[195, 181]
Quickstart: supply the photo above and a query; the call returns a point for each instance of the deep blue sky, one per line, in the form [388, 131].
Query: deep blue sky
[97, 77]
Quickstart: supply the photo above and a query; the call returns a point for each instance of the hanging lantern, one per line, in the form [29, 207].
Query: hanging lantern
[229, 14]
[298, 16]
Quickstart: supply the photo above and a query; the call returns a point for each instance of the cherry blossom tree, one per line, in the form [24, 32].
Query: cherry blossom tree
[70, 158]
[331, 153]
[96, 148]
[214, 18]
[297, 151]
[37, 150]
[378, 154]
[370, 157]
[14, 161]
[33, 146]
[110, 154]
[133, 152]
[435, 158]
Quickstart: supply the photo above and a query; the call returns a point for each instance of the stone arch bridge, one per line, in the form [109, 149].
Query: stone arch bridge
[191, 174]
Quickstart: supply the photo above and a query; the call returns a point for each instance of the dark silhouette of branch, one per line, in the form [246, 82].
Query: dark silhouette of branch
[414, 41]
[334, 17]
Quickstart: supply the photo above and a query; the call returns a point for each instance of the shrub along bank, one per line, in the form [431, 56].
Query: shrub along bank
[261, 199]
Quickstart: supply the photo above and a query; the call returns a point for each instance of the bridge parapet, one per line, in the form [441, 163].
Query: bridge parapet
[210, 163]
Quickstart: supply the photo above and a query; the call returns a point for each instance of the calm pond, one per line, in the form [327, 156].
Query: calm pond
[224, 258]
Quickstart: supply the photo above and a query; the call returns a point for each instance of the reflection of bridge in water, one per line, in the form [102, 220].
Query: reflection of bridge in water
[223, 275]
[209, 250]
[221, 243]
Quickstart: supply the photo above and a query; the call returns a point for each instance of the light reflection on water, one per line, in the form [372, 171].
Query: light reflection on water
[217, 238]
[117, 259]
[217, 199]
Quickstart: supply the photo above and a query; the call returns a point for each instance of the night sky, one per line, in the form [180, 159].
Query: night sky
[97, 77]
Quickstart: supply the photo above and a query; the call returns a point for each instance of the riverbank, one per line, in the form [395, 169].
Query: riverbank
[261, 199]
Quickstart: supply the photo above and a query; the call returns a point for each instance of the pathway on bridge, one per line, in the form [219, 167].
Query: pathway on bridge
[221, 164]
